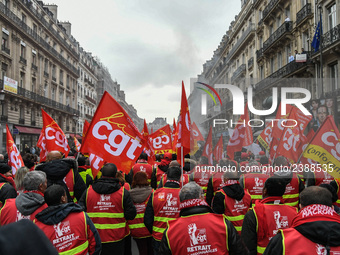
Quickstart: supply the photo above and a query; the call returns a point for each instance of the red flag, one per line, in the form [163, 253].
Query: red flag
[85, 128]
[208, 148]
[265, 138]
[77, 144]
[175, 139]
[148, 144]
[174, 127]
[184, 128]
[161, 140]
[325, 148]
[112, 137]
[289, 144]
[218, 150]
[305, 141]
[42, 145]
[196, 133]
[242, 136]
[55, 138]
[14, 157]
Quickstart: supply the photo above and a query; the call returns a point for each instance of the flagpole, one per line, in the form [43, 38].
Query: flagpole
[182, 164]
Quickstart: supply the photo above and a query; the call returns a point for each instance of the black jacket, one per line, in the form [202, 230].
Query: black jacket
[7, 190]
[154, 176]
[234, 191]
[55, 214]
[326, 233]
[235, 243]
[109, 186]
[56, 170]
[149, 213]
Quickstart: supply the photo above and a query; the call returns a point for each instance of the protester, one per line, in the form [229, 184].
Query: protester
[232, 200]
[198, 228]
[163, 205]
[140, 194]
[85, 171]
[19, 179]
[109, 206]
[141, 165]
[7, 184]
[69, 229]
[28, 203]
[184, 177]
[269, 215]
[202, 173]
[315, 230]
[161, 169]
[63, 172]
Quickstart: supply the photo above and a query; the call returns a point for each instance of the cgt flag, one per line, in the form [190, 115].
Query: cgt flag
[42, 145]
[14, 158]
[77, 144]
[161, 140]
[85, 128]
[55, 138]
[112, 137]
[325, 148]
[147, 144]
[218, 150]
[208, 148]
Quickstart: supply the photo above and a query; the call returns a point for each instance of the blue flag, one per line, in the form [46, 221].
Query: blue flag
[317, 37]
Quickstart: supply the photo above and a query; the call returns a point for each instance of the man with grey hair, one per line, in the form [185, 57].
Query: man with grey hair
[198, 228]
[27, 204]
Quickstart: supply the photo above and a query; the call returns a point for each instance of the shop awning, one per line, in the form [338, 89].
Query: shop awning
[28, 130]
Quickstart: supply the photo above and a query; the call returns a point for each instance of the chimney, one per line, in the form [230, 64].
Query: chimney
[67, 26]
[54, 9]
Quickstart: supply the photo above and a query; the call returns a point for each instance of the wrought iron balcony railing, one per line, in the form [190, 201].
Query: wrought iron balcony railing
[303, 13]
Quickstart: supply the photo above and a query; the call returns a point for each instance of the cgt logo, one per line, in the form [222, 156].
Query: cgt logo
[238, 97]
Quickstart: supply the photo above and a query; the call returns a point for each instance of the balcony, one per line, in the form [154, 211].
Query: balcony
[259, 54]
[34, 36]
[46, 74]
[23, 60]
[241, 70]
[61, 83]
[251, 62]
[22, 121]
[4, 118]
[46, 101]
[3, 48]
[278, 35]
[90, 100]
[269, 8]
[332, 36]
[54, 79]
[305, 12]
[34, 67]
[88, 116]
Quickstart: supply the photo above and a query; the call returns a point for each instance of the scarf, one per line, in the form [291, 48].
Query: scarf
[192, 203]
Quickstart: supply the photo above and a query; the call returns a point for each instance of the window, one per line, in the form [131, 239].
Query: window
[4, 41]
[35, 28]
[46, 89]
[279, 60]
[261, 72]
[23, 18]
[261, 41]
[271, 29]
[334, 76]
[61, 96]
[22, 112]
[272, 65]
[22, 79]
[46, 65]
[287, 12]
[305, 40]
[22, 50]
[331, 16]
[260, 15]
[243, 59]
[53, 71]
[278, 21]
[33, 85]
[53, 93]
[32, 114]
[288, 52]
[7, 3]
[3, 71]
[34, 58]
[68, 100]
[67, 81]
[61, 77]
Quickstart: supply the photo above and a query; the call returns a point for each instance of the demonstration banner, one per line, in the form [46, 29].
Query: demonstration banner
[325, 148]
[42, 145]
[112, 137]
[14, 158]
[161, 140]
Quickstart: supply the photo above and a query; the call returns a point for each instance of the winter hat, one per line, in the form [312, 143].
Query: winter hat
[174, 173]
[4, 168]
[167, 156]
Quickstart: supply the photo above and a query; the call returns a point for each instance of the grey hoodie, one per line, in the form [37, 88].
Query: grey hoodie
[27, 203]
[139, 195]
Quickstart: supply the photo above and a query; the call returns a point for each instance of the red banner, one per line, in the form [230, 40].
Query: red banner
[218, 150]
[184, 127]
[161, 140]
[42, 145]
[242, 136]
[55, 138]
[208, 148]
[14, 157]
[112, 137]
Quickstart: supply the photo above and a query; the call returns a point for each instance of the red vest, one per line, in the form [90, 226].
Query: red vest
[202, 176]
[69, 181]
[322, 178]
[235, 210]
[9, 213]
[166, 207]
[185, 178]
[291, 195]
[143, 167]
[197, 233]
[107, 213]
[271, 218]
[159, 175]
[137, 226]
[217, 180]
[295, 243]
[254, 183]
[70, 235]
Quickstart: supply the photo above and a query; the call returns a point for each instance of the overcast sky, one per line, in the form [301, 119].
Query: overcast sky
[150, 46]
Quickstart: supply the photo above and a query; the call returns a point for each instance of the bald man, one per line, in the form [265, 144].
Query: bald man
[65, 173]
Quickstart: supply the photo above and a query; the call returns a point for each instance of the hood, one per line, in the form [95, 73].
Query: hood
[234, 191]
[322, 232]
[27, 203]
[139, 195]
[55, 214]
[57, 169]
[106, 185]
